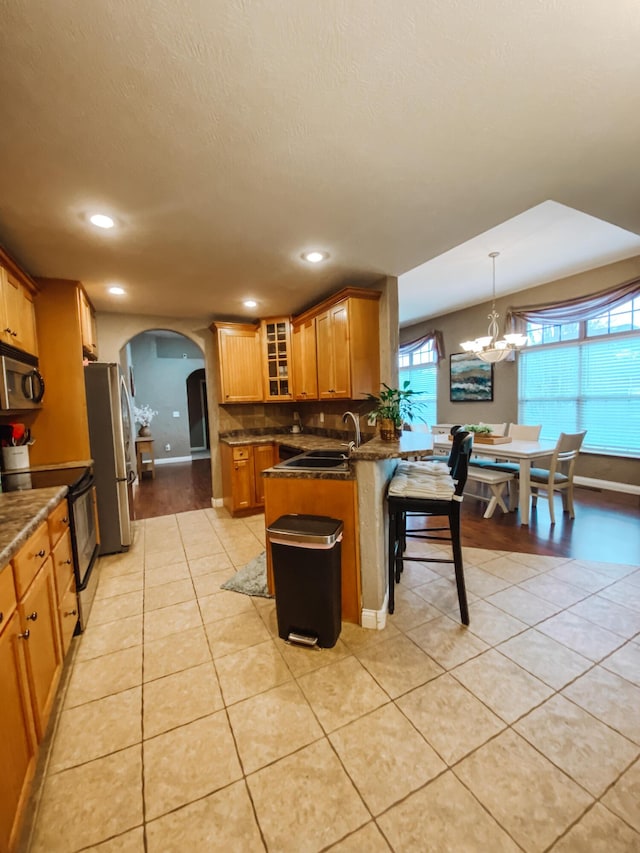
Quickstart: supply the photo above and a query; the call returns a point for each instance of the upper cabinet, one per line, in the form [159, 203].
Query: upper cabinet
[276, 359]
[17, 312]
[305, 362]
[240, 357]
[331, 352]
[87, 325]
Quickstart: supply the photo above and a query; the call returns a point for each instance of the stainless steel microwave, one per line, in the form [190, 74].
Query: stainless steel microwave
[21, 384]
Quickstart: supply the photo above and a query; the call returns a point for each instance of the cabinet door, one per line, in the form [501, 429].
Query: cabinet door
[17, 744]
[305, 363]
[87, 325]
[276, 355]
[332, 328]
[68, 614]
[39, 616]
[240, 365]
[19, 326]
[263, 457]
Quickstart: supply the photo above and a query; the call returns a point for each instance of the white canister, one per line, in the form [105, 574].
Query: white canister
[15, 458]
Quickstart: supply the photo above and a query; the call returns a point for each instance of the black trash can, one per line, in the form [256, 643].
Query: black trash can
[307, 573]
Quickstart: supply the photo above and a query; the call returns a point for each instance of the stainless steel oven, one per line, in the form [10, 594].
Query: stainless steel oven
[82, 523]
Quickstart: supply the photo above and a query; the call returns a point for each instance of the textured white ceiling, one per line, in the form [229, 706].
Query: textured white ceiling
[227, 136]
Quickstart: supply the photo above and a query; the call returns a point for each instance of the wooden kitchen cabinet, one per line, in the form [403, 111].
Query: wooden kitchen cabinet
[88, 330]
[242, 483]
[64, 577]
[240, 359]
[17, 311]
[305, 362]
[276, 359]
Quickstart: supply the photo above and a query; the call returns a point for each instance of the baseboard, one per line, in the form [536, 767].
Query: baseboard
[607, 485]
[375, 620]
[169, 459]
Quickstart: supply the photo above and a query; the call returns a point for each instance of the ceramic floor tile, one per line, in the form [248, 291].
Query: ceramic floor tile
[398, 665]
[236, 633]
[220, 821]
[129, 842]
[614, 571]
[609, 698]
[121, 585]
[446, 814]
[449, 643]
[302, 659]
[341, 692]
[492, 624]
[356, 638]
[107, 800]
[404, 761]
[581, 635]
[540, 562]
[614, 617]
[416, 574]
[327, 805]
[442, 594]
[115, 565]
[451, 719]
[625, 593]
[533, 800]
[599, 831]
[625, 662]
[578, 575]
[180, 698]
[166, 555]
[211, 583]
[509, 569]
[113, 673]
[111, 609]
[523, 605]
[624, 798]
[501, 684]
[224, 604]
[97, 728]
[171, 620]
[110, 637]
[479, 556]
[545, 658]
[210, 564]
[592, 754]
[483, 583]
[553, 590]
[175, 652]
[411, 610]
[175, 571]
[271, 725]
[367, 838]
[203, 547]
[188, 763]
[156, 597]
[251, 671]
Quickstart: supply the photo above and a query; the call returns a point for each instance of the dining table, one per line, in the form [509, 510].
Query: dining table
[516, 450]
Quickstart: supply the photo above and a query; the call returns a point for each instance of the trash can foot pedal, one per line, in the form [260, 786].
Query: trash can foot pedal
[302, 639]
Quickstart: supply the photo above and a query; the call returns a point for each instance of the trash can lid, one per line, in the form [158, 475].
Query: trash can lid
[307, 529]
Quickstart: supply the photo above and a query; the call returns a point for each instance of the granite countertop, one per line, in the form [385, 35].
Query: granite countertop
[411, 444]
[21, 513]
[302, 441]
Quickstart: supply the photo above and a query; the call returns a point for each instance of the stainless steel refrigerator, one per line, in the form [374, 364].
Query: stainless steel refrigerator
[113, 450]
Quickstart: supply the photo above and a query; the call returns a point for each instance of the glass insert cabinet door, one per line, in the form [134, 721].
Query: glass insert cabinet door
[276, 337]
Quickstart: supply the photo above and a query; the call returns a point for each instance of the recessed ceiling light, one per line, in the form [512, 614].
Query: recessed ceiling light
[101, 220]
[116, 290]
[250, 303]
[315, 257]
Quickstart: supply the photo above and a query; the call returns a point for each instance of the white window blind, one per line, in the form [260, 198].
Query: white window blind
[591, 384]
[424, 381]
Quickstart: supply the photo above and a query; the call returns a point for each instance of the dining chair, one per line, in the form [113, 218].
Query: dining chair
[559, 476]
[410, 493]
[524, 432]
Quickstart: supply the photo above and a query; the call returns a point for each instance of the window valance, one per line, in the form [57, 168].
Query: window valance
[575, 310]
[435, 338]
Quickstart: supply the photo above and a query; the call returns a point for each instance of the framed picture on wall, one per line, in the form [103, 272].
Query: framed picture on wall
[470, 378]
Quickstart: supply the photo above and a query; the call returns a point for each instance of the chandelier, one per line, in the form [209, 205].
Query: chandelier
[489, 348]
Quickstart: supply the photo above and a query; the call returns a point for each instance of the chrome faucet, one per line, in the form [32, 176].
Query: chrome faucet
[356, 425]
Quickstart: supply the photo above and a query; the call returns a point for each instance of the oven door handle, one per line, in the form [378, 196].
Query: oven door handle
[76, 494]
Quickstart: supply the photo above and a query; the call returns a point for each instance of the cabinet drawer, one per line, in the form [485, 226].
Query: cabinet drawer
[29, 559]
[68, 613]
[7, 595]
[241, 453]
[63, 563]
[58, 522]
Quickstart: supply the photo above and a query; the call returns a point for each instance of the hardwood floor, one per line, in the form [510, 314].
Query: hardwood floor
[606, 527]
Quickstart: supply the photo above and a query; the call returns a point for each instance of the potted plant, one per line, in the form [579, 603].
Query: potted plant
[394, 406]
[144, 415]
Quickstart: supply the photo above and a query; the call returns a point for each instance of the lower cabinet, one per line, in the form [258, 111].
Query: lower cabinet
[242, 483]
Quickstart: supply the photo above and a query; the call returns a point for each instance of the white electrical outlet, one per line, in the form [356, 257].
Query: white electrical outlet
[321, 417]
[176, 414]
[167, 447]
[371, 420]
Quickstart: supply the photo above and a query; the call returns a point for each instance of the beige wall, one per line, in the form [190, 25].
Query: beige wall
[471, 322]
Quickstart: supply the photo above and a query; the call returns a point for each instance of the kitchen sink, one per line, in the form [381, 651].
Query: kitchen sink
[327, 454]
[311, 461]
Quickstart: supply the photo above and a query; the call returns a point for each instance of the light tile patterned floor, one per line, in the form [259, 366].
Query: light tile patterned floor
[188, 725]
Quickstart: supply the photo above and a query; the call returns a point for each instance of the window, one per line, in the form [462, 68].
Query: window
[421, 369]
[585, 375]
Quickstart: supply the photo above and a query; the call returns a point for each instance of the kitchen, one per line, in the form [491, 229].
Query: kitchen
[213, 754]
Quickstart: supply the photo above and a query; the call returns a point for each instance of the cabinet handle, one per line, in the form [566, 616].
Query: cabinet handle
[41, 553]
[1, 617]
[33, 616]
[73, 612]
[15, 334]
[24, 636]
[65, 520]
[67, 562]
